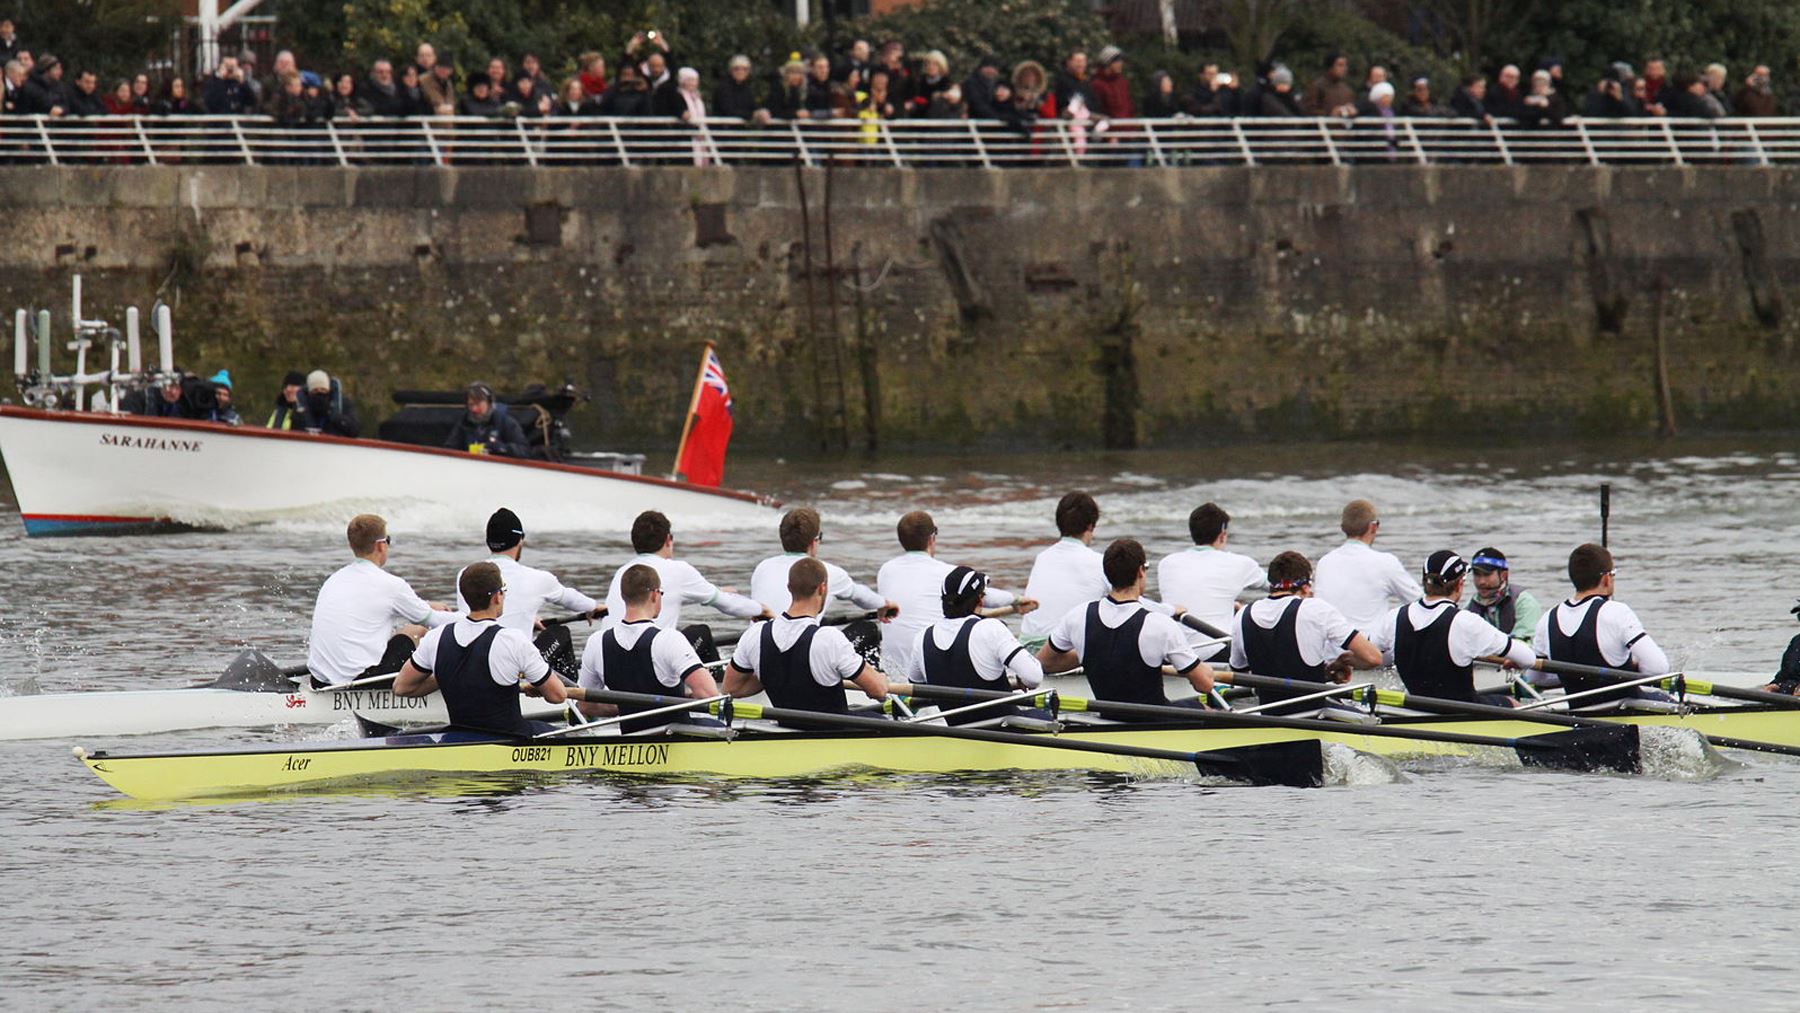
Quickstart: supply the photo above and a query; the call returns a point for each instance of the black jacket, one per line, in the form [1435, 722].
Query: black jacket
[500, 433]
[622, 101]
[333, 414]
[736, 99]
[40, 94]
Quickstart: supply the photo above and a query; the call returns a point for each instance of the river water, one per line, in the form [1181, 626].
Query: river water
[1465, 884]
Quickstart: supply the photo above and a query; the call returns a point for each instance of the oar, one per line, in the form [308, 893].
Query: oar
[1675, 682]
[598, 613]
[1608, 747]
[594, 696]
[1293, 764]
[1194, 622]
[826, 621]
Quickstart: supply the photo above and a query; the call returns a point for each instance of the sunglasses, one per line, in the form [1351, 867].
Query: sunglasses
[387, 540]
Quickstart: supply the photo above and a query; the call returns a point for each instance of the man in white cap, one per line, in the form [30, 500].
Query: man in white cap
[328, 409]
[529, 589]
[1433, 644]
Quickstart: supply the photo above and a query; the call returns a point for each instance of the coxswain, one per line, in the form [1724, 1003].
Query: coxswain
[1512, 610]
[970, 651]
[638, 656]
[800, 664]
[914, 580]
[1293, 635]
[290, 405]
[1592, 629]
[1787, 677]
[480, 666]
[355, 617]
[801, 535]
[529, 589]
[1068, 574]
[487, 428]
[1124, 647]
[1358, 581]
[653, 539]
[1205, 578]
[1433, 644]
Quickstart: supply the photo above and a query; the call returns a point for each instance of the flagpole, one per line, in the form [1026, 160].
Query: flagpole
[687, 424]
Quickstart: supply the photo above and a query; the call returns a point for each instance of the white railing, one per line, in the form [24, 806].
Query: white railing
[467, 141]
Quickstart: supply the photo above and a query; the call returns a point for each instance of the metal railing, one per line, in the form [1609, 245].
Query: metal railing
[580, 141]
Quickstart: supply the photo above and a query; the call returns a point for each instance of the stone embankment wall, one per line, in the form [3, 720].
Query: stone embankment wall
[1022, 307]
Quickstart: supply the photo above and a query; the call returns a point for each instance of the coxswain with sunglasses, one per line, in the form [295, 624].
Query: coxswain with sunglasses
[480, 666]
[638, 656]
[800, 664]
[1592, 629]
[529, 589]
[1787, 677]
[966, 650]
[1293, 635]
[1123, 647]
[1357, 580]
[366, 621]
[1433, 644]
[1513, 610]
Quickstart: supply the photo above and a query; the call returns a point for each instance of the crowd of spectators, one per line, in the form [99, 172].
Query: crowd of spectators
[885, 82]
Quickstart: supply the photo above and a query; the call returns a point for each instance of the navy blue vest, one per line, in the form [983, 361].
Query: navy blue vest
[953, 666]
[634, 671]
[1583, 648]
[475, 701]
[1275, 652]
[788, 679]
[1422, 657]
[1115, 667]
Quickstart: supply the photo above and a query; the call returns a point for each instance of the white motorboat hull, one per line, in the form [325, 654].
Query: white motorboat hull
[93, 473]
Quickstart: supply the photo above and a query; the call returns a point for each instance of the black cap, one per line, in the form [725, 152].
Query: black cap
[1487, 559]
[1445, 565]
[294, 378]
[504, 530]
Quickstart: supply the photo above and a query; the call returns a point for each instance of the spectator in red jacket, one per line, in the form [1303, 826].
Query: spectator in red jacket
[1112, 92]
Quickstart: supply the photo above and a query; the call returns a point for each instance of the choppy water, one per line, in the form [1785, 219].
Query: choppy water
[1459, 884]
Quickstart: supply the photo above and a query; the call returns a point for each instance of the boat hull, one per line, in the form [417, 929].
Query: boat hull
[255, 771]
[89, 473]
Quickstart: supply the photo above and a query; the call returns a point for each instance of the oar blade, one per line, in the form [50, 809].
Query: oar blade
[1297, 764]
[1614, 747]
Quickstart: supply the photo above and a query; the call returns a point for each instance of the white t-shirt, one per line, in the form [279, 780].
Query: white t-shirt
[1064, 576]
[527, 590]
[671, 654]
[1321, 631]
[1161, 640]
[769, 584]
[832, 657]
[1207, 581]
[511, 657]
[681, 585]
[354, 618]
[915, 582]
[1622, 637]
[993, 650]
[1471, 636]
[1363, 584]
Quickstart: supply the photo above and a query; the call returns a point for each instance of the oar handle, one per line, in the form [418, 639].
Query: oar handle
[576, 618]
[1194, 622]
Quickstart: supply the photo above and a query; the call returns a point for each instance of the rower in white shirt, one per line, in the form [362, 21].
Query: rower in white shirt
[654, 542]
[914, 581]
[1433, 644]
[800, 664]
[528, 590]
[638, 656]
[1592, 629]
[1204, 578]
[969, 651]
[1358, 581]
[1068, 574]
[801, 535]
[366, 621]
[1293, 635]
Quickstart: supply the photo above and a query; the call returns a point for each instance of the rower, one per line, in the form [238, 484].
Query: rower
[1205, 578]
[1124, 646]
[1787, 677]
[358, 608]
[801, 534]
[1293, 635]
[1358, 581]
[481, 666]
[653, 539]
[638, 656]
[1433, 644]
[1592, 629]
[915, 580]
[800, 664]
[529, 589]
[1512, 610]
[1069, 573]
[970, 651]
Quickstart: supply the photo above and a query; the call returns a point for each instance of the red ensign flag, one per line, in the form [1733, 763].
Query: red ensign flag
[701, 459]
